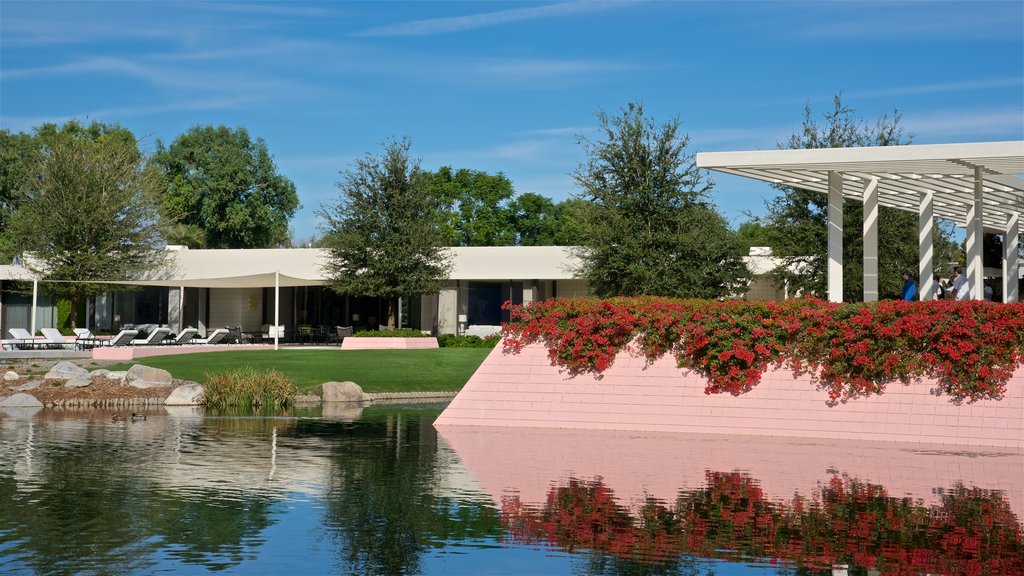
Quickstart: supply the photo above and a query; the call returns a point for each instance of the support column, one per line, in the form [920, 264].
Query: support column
[925, 245]
[1011, 256]
[35, 304]
[975, 237]
[871, 241]
[835, 237]
[277, 308]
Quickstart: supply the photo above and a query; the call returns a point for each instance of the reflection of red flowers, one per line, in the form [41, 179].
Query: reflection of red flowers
[972, 531]
[970, 348]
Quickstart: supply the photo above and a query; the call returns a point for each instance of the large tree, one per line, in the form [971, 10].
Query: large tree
[796, 221]
[650, 228]
[478, 206]
[385, 236]
[223, 190]
[86, 213]
[19, 155]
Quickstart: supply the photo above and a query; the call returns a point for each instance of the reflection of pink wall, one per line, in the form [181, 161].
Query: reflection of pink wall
[524, 390]
[528, 461]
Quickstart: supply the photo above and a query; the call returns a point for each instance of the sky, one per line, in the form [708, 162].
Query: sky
[509, 86]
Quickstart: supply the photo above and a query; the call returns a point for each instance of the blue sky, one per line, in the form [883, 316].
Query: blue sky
[508, 86]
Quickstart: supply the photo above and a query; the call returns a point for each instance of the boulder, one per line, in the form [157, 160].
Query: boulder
[120, 375]
[191, 394]
[11, 376]
[342, 392]
[99, 373]
[30, 385]
[65, 371]
[21, 400]
[307, 399]
[78, 382]
[140, 376]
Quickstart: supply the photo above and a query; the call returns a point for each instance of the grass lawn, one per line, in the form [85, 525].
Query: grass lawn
[441, 369]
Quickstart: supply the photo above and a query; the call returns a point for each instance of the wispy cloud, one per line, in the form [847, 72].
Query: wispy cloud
[475, 21]
[117, 113]
[940, 87]
[912, 21]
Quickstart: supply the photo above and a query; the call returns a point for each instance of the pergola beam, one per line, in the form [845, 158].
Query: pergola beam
[871, 241]
[835, 237]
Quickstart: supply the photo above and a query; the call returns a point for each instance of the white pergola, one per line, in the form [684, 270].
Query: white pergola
[974, 185]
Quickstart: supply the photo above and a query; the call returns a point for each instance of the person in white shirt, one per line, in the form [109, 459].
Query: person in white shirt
[960, 288]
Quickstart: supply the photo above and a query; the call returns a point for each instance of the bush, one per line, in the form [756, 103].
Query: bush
[970, 348]
[453, 341]
[248, 387]
[397, 333]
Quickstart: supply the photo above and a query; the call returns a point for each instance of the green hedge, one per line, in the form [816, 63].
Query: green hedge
[403, 333]
[453, 341]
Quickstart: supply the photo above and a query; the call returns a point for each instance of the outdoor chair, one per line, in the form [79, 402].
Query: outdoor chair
[270, 331]
[21, 338]
[155, 337]
[183, 337]
[83, 333]
[123, 338]
[234, 335]
[305, 333]
[215, 337]
[343, 332]
[56, 339]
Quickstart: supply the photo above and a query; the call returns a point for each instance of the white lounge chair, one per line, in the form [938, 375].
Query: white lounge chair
[123, 338]
[83, 333]
[155, 337]
[22, 338]
[215, 337]
[53, 337]
[183, 337]
[269, 331]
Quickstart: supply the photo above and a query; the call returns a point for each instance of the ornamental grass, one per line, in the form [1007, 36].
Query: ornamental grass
[247, 387]
[969, 348]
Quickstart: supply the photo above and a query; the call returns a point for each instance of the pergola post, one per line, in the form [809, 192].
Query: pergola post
[871, 240]
[1011, 256]
[835, 236]
[925, 245]
[35, 304]
[975, 237]
[277, 307]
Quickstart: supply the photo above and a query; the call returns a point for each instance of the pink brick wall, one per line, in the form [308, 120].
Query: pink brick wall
[524, 390]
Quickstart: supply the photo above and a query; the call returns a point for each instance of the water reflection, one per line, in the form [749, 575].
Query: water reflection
[376, 490]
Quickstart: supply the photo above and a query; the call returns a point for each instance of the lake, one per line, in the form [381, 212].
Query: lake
[377, 490]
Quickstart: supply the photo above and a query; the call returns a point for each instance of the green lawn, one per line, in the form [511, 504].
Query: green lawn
[442, 369]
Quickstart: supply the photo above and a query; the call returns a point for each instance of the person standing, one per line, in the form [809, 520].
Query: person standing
[961, 290]
[909, 288]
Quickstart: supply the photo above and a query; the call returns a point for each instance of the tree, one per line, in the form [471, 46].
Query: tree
[478, 206]
[534, 220]
[385, 236]
[223, 190]
[19, 154]
[752, 233]
[797, 220]
[650, 228]
[86, 214]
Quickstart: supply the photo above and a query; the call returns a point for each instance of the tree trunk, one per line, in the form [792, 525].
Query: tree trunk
[74, 310]
[392, 307]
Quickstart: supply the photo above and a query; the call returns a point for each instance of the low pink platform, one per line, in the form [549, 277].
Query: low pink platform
[388, 343]
[133, 352]
[525, 391]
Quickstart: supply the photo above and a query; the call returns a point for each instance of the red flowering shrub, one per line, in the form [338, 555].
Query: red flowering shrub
[970, 348]
[972, 531]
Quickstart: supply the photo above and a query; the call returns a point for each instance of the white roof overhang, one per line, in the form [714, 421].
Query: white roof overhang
[902, 172]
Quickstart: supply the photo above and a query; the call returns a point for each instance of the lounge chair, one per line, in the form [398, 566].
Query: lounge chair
[343, 332]
[53, 337]
[123, 338]
[269, 331]
[21, 338]
[155, 337]
[83, 333]
[215, 337]
[183, 337]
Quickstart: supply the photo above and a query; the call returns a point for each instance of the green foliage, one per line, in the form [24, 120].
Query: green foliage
[19, 155]
[64, 316]
[477, 206]
[751, 234]
[249, 387]
[384, 237]
[453, 341]
[222, 190]
[396, 333]
[650, 228]
[98, 167]
[796, 223]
